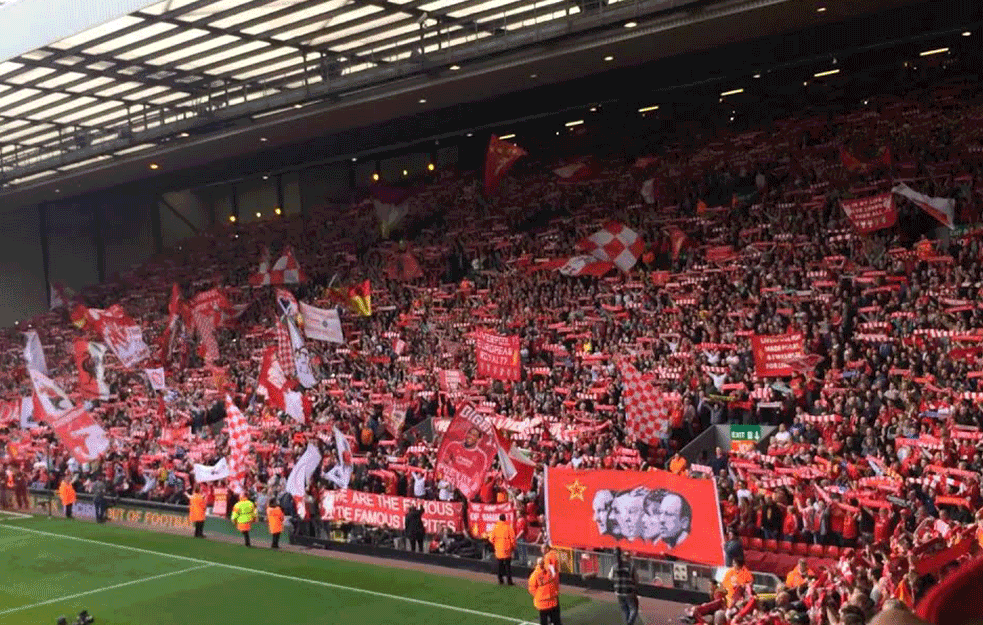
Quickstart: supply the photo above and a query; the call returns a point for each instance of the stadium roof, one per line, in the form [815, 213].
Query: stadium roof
[182, 69]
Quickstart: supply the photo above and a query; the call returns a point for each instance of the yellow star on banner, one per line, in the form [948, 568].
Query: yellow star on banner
[576, 490]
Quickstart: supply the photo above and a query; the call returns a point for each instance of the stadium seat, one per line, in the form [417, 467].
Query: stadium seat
[745, 542]
[785, 547]
[771, 545]
[815, 551]
[757, 544]
[800, 549]
[833, 552]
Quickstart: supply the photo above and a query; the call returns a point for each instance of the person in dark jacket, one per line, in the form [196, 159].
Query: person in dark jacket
[414, 529]
[733, 549]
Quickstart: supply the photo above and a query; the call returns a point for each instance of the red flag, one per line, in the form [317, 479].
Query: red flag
[240, 440]
[648, 411]
[404, 267]
[580, 171]
[91, 373]
[498, 356]
[870, 214]
[499, 159]
[773, 353]
[74, 427]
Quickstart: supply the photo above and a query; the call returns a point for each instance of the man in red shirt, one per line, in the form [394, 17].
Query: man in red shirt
[467, 458]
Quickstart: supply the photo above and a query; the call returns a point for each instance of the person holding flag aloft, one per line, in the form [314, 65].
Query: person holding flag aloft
[243, 515]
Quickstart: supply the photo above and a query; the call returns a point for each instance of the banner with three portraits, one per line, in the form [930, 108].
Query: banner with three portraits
[650, 513]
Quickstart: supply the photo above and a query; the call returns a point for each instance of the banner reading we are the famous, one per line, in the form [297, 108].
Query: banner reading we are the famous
[498, 356]
[352, 506]
[646, 512]
[773, 353]
[467, 450]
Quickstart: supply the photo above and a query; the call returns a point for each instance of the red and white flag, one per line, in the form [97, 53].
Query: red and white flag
[121, 334]
[451, 380]
[615, 243]
[273, 382]
[649, 192]
[391, 206]
[91, 371]
[648, 411]
[870, 214]
[297, 406]
[157, 380]
[75, 428]
[394, 415]
[300, 475]
[240, 440]
[517, 469]
[941, 208]
[341, 473]
[321, 324]
[60, 296]
[34, 353]
[286, 270]
[299, 359]
[498, 357]
[581, 171]
[399, 346]
[499, 159]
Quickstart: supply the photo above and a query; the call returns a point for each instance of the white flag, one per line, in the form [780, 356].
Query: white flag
[341, 473]
[321, 324]
[27, 420]
[294, 405]
[34, 353]
[301, 474]
[157, 379]
[942, 209]
[218, 471]
[648, 191]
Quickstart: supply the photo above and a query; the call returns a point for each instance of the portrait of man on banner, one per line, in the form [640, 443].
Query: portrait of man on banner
[653, 513]
[467, 450]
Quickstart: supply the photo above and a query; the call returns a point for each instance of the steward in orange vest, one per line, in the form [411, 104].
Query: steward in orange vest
[196, 512]
[503, 538]
[274, 516]
[67, 495]
[544, 586]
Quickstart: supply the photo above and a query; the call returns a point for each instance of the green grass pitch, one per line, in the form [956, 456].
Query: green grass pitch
[122, 576]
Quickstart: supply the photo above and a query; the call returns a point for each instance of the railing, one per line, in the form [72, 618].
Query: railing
[583, 563]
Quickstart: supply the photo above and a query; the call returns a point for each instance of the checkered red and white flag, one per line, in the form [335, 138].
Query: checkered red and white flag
[285, 349]
[648, 411]
[615, 243]
[239, 442]
[286, 270]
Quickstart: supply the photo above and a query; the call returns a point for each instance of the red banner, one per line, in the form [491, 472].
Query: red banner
[870, 214]
[352, 506]
[497, 356]
[775, 354]
[467, 450]
[482, 517]
[121, 334]
[648, 513]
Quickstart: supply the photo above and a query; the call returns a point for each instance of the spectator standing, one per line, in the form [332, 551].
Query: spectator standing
[66, 492]
[99, 498]
[733, 549]
[274, 517]
[625, 579]
[415, 532]
[503, 538]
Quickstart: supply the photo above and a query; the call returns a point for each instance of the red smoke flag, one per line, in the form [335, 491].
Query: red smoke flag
[499, 159]
[121, 334]
[648, 411]
[517, 469]
[467, 450]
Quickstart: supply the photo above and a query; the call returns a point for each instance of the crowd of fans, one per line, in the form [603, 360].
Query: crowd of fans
[873, 470]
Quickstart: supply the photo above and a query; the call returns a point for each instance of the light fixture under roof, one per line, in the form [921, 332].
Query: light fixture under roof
[648, 109]
[757, 75]
[609, 58]
[154, 166]
[966, 33]
[821, 10]
[263, 139]
[454, 68]
[574, 123]
[935, 51]
[731, 92]
[829, 72]
[631, 24]
[503, 137]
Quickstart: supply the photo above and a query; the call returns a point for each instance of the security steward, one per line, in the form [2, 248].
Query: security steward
[243, 515]
[196, 512]
[274, 517]
[544, 586]
[503, 539]
[66, 492]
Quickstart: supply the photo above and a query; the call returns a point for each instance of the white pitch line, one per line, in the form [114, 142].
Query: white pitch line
[291, 578]
[92, 592]
[15, 515]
